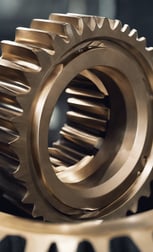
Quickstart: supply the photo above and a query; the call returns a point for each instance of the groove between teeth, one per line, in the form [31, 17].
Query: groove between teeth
[13, 87]
[7, 132]
[76, 21]
[90, 107]
[87, 120]
[9, 107]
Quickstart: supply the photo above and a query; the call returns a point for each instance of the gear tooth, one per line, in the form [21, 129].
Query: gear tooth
[133, 208]
[143, 42]
[35, 38]
[56, 27]
[89, 21]
[20, 54]
[11, 65]
[99, 21]
[27, 199]
[8, 159]
[126, 29]
[10, 108]
[115, 24]
[12, 87]
[20, 174]
[133, 34]
[75, 21]
[7, 131]
[35, 212]
[106, 24]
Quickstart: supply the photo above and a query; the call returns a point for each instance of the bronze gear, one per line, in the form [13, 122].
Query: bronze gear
[102, 163]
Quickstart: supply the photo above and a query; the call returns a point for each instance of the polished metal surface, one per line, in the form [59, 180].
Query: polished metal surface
[67, 237]
[101, 163]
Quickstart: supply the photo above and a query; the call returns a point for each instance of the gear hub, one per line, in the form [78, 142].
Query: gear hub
[101, 163]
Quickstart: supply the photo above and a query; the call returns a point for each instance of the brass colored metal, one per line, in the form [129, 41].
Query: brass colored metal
[41, 236]
[102, 162]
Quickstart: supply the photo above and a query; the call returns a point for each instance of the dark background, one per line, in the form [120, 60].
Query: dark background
[138, 14]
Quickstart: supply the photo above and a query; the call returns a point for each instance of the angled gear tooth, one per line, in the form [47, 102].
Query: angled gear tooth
[35, 37]
[133, 208]
[63, 145]
[12, 87]
[20, 175]
[8, 159]
[12, 80]
[35, 212]
[76, 21]
[27, 199]
[57, 163]
[61, 155]
[94, 79]
[89, 106]
[78, 91]
[142, 41]
[126, 29]
[115, 25]
[133, 34]
[87, 121]
[56, 27]
[82, 138]
[88, 20]
[103, 22]
[8, 132]
[20, 54]
[9, 107]
[12, 65]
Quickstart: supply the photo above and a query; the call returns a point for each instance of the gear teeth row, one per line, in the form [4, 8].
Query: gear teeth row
[135, 231]
[87, 121]
[20, 54]
[75, 21]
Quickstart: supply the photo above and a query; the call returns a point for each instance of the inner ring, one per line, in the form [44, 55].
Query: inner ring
[89, 190]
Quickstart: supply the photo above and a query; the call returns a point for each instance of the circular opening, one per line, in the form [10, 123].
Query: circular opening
[91, 119]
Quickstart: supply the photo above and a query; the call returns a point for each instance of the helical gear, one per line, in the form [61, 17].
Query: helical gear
[102, 163]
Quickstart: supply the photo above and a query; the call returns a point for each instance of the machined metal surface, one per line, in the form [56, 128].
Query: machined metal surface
[101, 164]
[100, 236]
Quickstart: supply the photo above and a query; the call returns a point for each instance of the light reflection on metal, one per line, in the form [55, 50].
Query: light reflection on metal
[102, 162]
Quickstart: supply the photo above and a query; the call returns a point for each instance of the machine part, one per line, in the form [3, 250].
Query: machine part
[102, 162]
[45, 237]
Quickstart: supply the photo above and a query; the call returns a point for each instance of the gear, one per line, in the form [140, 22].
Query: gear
[127, 234]
[102, 162]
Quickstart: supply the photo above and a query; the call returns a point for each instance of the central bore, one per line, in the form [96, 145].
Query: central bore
[85, 113]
